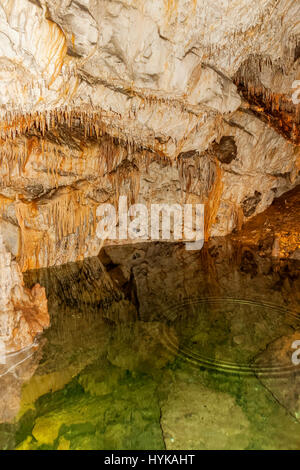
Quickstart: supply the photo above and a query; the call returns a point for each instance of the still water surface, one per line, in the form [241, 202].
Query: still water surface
[151, 347]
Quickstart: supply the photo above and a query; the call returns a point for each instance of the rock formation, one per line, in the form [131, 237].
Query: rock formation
[123, 360]
[23, 316]
[23, 312]
[165, 101]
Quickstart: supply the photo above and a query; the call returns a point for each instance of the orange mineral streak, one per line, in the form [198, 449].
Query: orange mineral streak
[46, 225]
[213, 201]
[57, 227]
[171, 7]
[94, 123]
[4, 202]
[276, 109]
[14, 157]
[298, 161]
[52, 44]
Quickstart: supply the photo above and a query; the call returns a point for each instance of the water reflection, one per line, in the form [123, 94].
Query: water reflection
[153, 347]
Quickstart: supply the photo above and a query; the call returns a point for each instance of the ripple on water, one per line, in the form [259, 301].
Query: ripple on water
[231, 335]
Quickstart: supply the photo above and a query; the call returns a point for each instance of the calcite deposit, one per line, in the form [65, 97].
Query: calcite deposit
[164, 101]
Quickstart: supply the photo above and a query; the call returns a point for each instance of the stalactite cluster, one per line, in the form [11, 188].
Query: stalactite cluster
[275, 108]
[188, 110]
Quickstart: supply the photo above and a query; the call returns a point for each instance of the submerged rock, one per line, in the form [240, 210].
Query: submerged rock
[195, 417]
[124, 418]
[139, 347]
[283, 354]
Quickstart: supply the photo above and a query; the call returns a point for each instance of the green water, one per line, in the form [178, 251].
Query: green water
[155, 348]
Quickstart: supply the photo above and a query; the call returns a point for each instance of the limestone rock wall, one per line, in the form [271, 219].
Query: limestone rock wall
[164, 101]
[23, 312]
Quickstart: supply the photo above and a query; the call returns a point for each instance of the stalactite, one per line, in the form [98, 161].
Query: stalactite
[13, 124]
[277, 109]
[96, 159]
[197, 173]
[67, 213]
[213, 202]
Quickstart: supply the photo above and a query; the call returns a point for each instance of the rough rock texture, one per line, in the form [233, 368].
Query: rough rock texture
[166, 101]
[284, 389]
[23, 312]
[207, 420]
[276, 232]
[18, 369]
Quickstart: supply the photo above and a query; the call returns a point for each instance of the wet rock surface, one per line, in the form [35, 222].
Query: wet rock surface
[276, 231]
